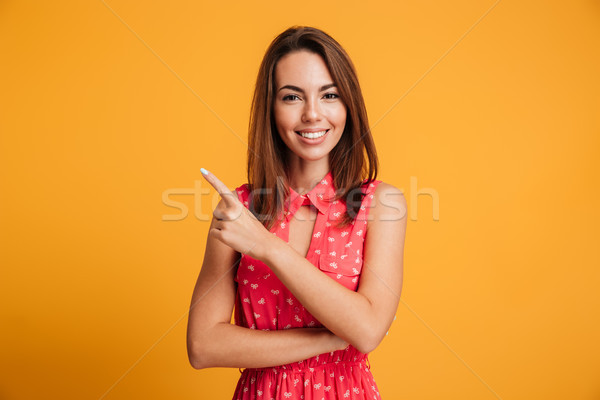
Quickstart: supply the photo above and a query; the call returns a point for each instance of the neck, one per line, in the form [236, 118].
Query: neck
[305, 175]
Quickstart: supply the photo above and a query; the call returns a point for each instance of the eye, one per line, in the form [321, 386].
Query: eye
[333, 96]
[289, 97]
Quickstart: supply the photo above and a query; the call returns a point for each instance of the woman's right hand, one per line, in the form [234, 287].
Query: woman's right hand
[235, 225]
[337, 343]
[341, 344]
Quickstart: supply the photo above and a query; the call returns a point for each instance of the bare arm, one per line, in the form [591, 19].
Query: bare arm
[361, 318]
[212, 341]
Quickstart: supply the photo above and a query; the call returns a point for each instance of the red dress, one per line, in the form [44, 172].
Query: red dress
[263, 302]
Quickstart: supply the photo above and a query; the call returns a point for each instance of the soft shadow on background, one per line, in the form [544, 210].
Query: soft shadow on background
[485, 113]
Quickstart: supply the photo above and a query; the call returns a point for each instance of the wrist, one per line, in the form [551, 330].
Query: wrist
[335, 343]
[268, 247]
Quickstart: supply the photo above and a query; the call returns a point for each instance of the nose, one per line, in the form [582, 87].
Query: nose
[312, 111]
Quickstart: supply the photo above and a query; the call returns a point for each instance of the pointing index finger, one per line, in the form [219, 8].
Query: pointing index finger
[219, 186]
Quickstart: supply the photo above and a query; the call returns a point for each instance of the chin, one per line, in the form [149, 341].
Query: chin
[317, 158]
[311, 154]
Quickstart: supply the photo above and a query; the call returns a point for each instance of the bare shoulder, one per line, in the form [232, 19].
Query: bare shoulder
[388, 204]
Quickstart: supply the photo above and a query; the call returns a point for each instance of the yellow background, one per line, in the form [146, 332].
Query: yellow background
[490, 107]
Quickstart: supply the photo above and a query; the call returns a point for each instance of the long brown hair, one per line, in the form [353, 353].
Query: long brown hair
[267, 174]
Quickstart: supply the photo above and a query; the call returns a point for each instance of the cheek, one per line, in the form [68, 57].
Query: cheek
[283, 126]
[339, 116]
[344, 116]
[283, 117]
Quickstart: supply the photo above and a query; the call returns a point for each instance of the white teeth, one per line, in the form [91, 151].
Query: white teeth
[312, 135]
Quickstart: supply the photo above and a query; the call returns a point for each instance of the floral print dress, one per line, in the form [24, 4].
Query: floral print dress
[263, 302]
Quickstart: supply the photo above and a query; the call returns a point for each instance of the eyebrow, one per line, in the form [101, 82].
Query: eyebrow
[297, 89]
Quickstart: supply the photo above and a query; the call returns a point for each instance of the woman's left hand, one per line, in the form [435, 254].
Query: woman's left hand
[235, 225]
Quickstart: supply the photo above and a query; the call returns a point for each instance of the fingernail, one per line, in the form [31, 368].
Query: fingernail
[204, 172]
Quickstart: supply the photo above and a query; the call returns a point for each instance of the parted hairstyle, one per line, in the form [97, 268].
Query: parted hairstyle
[351, 161]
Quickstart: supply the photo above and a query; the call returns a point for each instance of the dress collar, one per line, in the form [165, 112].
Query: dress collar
[320, 196]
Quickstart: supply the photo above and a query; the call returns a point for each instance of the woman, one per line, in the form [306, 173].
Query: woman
[310, 250]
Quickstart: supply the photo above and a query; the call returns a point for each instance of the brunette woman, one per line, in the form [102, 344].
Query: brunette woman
[309, 252]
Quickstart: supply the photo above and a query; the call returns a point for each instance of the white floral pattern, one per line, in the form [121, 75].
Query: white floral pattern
[271, 306]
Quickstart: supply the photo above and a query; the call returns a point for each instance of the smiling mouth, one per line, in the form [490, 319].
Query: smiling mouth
[312, 135]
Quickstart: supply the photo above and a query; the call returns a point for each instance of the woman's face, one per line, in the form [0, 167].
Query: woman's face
[307, 101]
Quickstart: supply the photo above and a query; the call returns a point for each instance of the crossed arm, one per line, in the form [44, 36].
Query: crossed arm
[212, 341]
[359, 318]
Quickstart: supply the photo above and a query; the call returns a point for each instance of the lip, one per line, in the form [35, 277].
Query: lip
[312, 130]
[313, 141]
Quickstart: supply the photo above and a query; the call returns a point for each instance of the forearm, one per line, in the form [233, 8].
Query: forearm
[228, 345]
[346, 313]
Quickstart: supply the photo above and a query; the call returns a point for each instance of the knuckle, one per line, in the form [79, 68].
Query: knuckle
[232, 213]
[228, 215]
